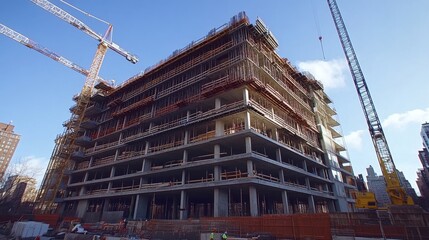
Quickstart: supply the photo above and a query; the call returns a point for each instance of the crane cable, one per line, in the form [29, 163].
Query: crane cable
[80, 10]
[316, 21]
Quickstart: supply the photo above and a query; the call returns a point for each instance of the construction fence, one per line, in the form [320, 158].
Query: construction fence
[297, 226]
[389, 225]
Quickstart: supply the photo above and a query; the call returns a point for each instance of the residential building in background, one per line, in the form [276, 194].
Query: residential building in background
[8, 143]
[18, 194]
[377, 185]
[407, 186]
[223, 127]
[360, 183]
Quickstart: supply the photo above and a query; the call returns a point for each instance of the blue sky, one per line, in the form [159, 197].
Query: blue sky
[390, 38]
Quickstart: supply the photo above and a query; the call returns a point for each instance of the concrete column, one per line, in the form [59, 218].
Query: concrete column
[183, 176]
[106, 205]
[216, 151]
[186, 140]
[276, 134]
[84, 179]
[82, 191]
[246, 96]
[307, 182]
[116, 155]
[146, 149]
[183, 205]
[311, 206]
[219, 128]
[278, 155]
[220, 203]
[331, 206]
[125, 120]
[285, 202]
[185, 156]
[253, 202]
[248, 142]
[120, 136]
[304, 165]
[218, 103]
[250, 170]
[112, 171]
[246, 121]
[132, 206]
[81, 208]
[217, 173]
[282, 176]
[147, 165]
[91, 160]
[141, 206]
[217, 169]
[188, 114]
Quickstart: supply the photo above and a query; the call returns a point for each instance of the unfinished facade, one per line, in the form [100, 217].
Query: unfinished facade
[223, 127]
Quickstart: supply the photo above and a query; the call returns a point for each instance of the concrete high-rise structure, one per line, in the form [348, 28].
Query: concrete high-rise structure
[8, 142]
[377, 185]
[223, 127]
[423, 174]
[424, 133]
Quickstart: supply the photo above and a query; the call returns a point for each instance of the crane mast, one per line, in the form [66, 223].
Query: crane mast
[397, 194]
[55, 180]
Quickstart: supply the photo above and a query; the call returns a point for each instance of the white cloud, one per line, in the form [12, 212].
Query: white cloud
[330, 73]
[354, 140]
[399, 120]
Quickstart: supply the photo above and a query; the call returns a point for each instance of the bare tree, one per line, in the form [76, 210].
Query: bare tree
[17, 187]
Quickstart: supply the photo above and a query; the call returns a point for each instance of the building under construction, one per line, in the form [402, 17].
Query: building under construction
[223, 127]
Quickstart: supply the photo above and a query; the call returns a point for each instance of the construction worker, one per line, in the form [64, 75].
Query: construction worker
[212, 236]
[224, 236]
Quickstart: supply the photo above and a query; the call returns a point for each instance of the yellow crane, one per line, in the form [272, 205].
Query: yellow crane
[396, 192]
[55, 179]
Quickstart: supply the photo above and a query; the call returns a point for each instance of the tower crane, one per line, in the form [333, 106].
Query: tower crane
[55, 179]
[396, 192]
[8, 32]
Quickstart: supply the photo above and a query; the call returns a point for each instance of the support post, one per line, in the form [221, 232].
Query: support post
[253, 200]
[285, 202]
[220, 203]
[183, 205]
